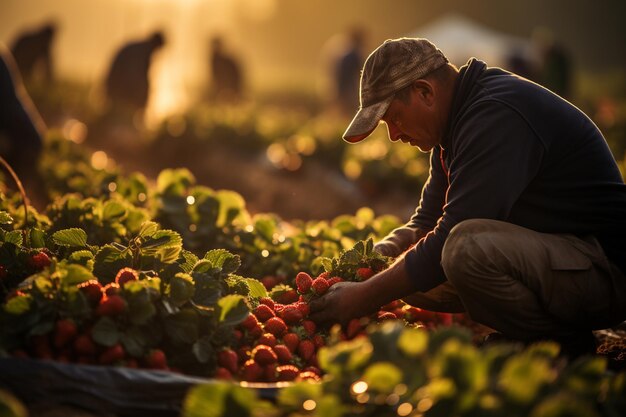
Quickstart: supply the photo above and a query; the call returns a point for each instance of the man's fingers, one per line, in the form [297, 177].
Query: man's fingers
[318, 304]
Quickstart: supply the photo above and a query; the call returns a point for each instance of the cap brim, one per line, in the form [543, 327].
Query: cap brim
[365, 121]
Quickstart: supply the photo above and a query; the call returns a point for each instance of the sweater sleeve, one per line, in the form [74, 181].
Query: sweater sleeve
[495, 154]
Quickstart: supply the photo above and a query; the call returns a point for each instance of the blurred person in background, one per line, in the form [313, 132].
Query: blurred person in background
[555, 64]
[522, 222]
[21, 130]
[127, 82]
[31, 51]
[347, 71]
[227, 79]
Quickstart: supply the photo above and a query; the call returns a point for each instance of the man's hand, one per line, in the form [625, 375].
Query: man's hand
[343, 302]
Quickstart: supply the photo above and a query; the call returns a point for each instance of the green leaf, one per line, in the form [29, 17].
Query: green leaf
[14, 237]
[5, 218]
[105, 332]
[182, 327]
[203, 349]
[221, 258]
[292, 397]
[221, 400]
[181, 289]
[148, 229]
[10, 406]
[233, 309]
[350, 257]
[524, 376]
[365, 215]
[108, 261]
[82, 257]
[257, 289]
[18, 305]
[73, 237]
[75, 274]
[113, 210]
[413, 342]
[382, 377]
[232, 207]
[37, 238]
[134, 342]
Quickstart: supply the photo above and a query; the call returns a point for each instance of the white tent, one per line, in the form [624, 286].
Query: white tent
[460, 38]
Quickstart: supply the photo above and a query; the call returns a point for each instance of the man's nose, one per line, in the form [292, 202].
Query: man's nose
[393, 131]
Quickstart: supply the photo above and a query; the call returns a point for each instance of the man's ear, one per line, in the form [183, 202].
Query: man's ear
[425, 91]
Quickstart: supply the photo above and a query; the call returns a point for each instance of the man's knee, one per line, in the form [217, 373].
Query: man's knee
[464, 250]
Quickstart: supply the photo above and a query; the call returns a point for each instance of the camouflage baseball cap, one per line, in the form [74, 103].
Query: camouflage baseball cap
[392, 66]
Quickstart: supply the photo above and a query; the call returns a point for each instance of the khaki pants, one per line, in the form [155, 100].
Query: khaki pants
[525, 284]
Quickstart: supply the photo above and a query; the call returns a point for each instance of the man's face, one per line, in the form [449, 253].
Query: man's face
[412, 122]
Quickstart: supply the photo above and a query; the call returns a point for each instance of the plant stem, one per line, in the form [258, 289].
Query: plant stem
[22, 192]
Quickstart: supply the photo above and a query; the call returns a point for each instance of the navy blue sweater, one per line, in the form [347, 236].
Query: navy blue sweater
[516, 152]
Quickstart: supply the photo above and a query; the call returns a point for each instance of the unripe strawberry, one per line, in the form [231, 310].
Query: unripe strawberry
[64, 331]
[320, 286]
[264, 355]
[111, 306]
[92, 290]
[125, 275]
[156, 359]
[40, 260]
[303, 282]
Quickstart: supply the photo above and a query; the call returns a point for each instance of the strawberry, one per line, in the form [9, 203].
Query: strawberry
[276, 326]
[41, 346]
[111, 306]
[309, 327]
[92, 290]
[278, 307]
[84, 345]
[308, 376]
[393, 305]
[354, 328]
[111, 289]
[304, 308]
[264, 355]
[291, 340]
[445, 319]
[324, 275]
[250, 322]
[332, 281]
[318, 341]
[125, 275]
[287, 372]
[243, 353]
[313, 369]
[227, 358]
[385, 315]
[269, 373]
[131, 363]
[267, 339]
[291, 315]
[269, 282]
[223, 374]
[364, 273]
[263, 313]
[413, 314]
[64, 331]
[251, 371]
[156, 359]
[320, 286]
[306, 349]
[267, 301]
[40, 260]
[303, 282]
[111, 355]
[283, 353]
[237, 335]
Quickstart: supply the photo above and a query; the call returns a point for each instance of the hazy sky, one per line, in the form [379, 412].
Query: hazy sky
[283, 42]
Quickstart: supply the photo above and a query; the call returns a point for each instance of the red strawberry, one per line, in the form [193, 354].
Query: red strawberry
[267, 339]
[393, 305]
[304, 308]
[131, 363]
[64, 331]
[264, 355]
[111, 289]
[263, 313]
[320, 286]
[287, 372]
[288, 297]
[313, 369]
[283, 353]
[445, 319]
[325, 275]
[125, 275]
[303, 282]
[291, 315]
[251, 371]
[250, 322]
[84, 345]
[269, 282]
[111, 306]
[308, 376]
[364, 273]
[269, 373]
[227, 358]
[291, 340]
[318, 341]
[306, 350]
[354, 328]
[156, 359]
[243, 353]
[267, 301]
[92, 290]
[111, 355]
[40, 260]
[237, 334]
[256, 331]
[223, 374]
[332, 281]
[413, 314]
[278, 307]
[309, 327]
[385, 315]
[276, 326]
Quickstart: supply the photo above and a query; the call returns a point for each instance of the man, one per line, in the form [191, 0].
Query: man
[32, 53]
[127, 82]
[522, 221]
